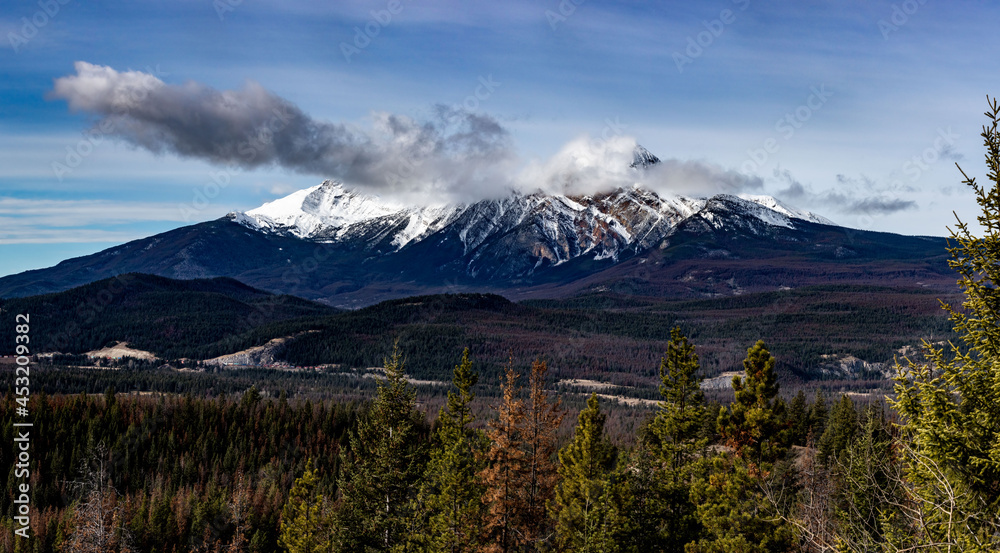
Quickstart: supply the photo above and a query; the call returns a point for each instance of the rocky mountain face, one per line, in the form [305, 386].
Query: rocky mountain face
[516, 235]
[349, 249]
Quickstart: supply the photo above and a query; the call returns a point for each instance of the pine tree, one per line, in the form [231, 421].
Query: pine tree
[520, 476]
[638, 504]
[453, 495]
[951, 406]
[381, 473]
[504, 473]
[736, 516]
[678, 423]
[749, 426]
[581, 497]
[306, 520]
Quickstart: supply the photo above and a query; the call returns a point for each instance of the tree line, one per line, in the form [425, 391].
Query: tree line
[760, 474]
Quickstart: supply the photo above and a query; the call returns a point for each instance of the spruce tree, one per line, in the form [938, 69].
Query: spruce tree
[452, 493]
[818, 415]
[581, 498]
[870, 489]
[381, 473]
[678, 441]
[950, 407]
[306, 520]
[840, 431]
[736, 514]
[798, 415]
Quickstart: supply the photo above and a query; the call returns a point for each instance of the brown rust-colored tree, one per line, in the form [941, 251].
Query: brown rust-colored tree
[541, 422]
[521, 473]
[505, 469]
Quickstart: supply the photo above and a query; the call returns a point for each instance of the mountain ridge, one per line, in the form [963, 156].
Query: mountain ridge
[347, 249]
[606, 224]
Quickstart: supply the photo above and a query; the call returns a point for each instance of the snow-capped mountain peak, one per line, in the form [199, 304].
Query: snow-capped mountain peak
[775, 204]
[516, 234]
[328, 204]
[641, 157]
[329, 211]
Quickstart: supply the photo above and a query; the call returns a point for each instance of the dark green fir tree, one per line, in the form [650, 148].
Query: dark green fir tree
[452, 493]
[738, 517]
[580, 508]
[382, 471]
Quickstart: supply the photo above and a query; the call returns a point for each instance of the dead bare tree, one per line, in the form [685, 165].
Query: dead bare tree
[240, 505]
[99, 515]
[816, 511]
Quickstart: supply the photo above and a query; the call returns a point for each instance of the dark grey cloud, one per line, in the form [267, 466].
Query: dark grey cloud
[453, 155]
[252, 127]
[881, 206]
[948, 152]
[796, 191]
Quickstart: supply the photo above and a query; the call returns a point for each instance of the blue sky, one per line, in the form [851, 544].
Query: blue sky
[883, 97]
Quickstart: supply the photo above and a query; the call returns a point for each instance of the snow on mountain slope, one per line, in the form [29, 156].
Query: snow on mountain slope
[552, 228]
[329, 212]
[775, 204]
[328, 204]
[726, 212]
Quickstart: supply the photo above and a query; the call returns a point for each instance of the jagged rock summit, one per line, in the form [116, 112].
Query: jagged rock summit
[641, 157]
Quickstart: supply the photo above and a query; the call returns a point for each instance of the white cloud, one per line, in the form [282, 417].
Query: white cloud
[34, 235]
[77, 213]
[43, 221]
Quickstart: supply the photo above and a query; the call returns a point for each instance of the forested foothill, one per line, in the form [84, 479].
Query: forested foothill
[603, 336]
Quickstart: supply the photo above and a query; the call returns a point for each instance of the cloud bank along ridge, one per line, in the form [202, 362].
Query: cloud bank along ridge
[454, 155]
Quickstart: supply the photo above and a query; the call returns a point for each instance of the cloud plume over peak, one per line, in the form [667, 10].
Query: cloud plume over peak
[454, 155]
[588, 164]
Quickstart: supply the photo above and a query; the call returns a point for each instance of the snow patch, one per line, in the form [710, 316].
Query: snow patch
[775, 204]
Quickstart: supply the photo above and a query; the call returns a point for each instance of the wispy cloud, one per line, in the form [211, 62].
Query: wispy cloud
[44, 221]
[858, 196]
[33, 235]
[74, 213]
[588, 164]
